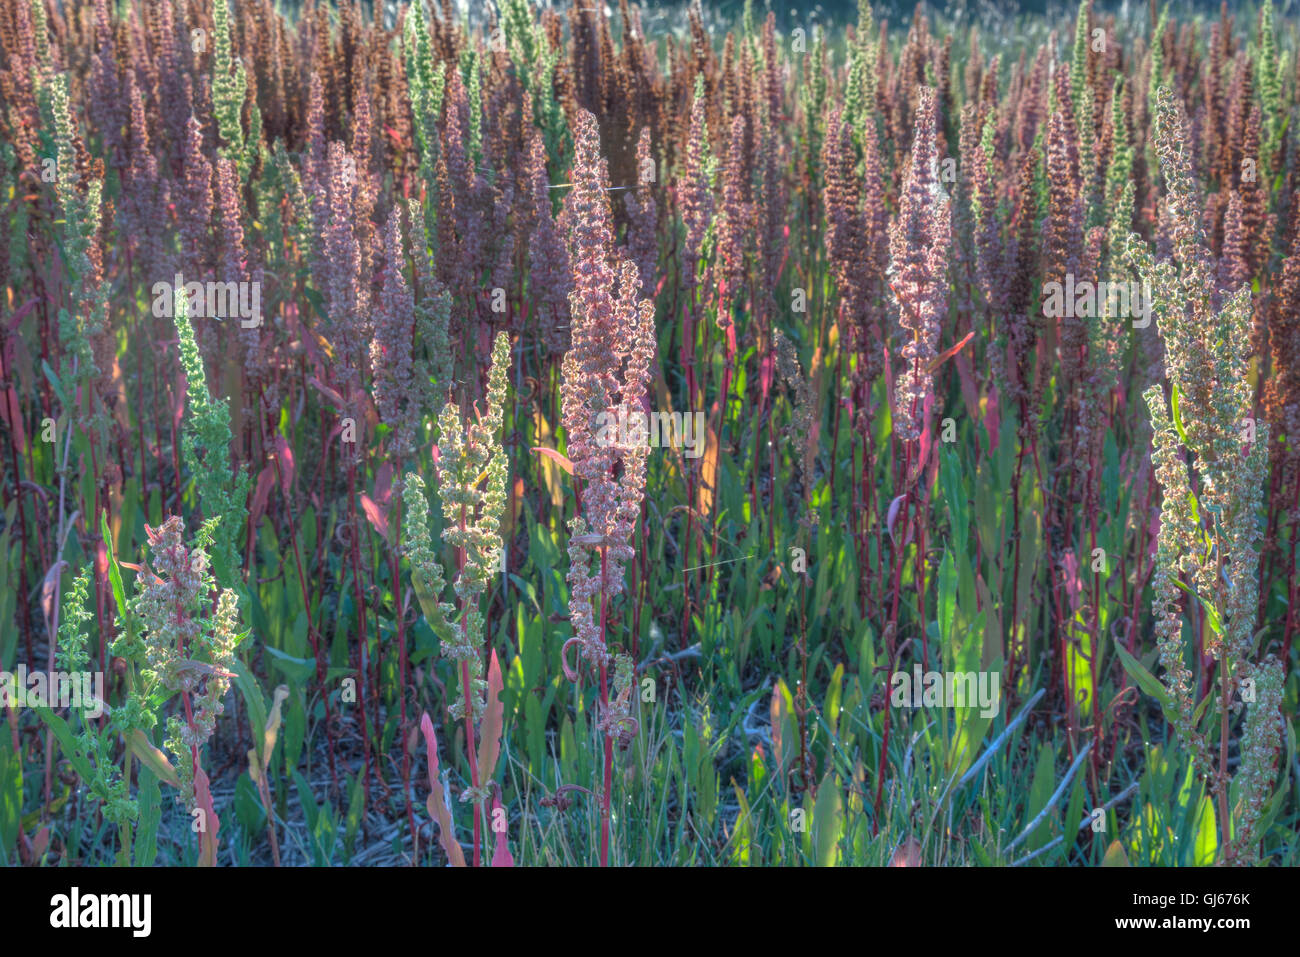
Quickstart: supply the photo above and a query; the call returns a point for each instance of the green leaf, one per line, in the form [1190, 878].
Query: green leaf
[69, 742]
[54, 381]
[114, 570]
[947, 597]
[1200, 709]
[254, 701]
[297, 670]
[1178, 419]
[1206, 846]
[11, 802]
[248, 806]
[356, 809]
[1211, 613]
[1145, 679]
[827, 822]
[150, 799]
[1040, 792]
[309, 806]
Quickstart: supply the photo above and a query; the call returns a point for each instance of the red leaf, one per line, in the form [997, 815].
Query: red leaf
[993, 418]
[378, 517]
[260, 496]
[1070, 573]
[40, 842]
[210, 822]
[966, 377]
[892, 516]
[12, 415]
[907, 854]
[20, 312]
[766, 369]
[384, 484]
[947, 354]
[555, 457]
[489, 732]
[437, 808]
[284, 451]
[430, 748]
[178, 411]
[927, 437]
[50, 592]
[501, 857]
[335, 399]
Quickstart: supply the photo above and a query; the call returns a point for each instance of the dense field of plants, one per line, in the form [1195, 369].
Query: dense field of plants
[634, 436]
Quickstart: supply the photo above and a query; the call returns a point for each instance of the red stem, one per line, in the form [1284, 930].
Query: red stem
[604, 710]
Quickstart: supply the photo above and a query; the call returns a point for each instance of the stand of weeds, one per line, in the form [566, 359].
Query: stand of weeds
[254, 279]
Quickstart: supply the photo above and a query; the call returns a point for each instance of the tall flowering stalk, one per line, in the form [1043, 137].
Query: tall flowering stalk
[187, 643]
[179, 638]
[229, 87]
[1211, 460]
[549, 272]
[106, 784]
[695, 192]
[920, 242]
[206, 449]
[605, 374]
[735, 222]
[472, 489]
[83, 326]
[643, 229]
[802, 433]
[399, 398]
[396, 383]
[1282, 406]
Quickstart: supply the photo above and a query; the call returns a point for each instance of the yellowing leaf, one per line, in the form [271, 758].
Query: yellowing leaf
[207, 821]
[1115, 856]
[561, 460]
[827, 822]
[489, 734]
[907, 854]
[436, 805]
[782, 711]
[155, 759]
[514, 505]
[550, 468]
[269, 735]
[708, 486]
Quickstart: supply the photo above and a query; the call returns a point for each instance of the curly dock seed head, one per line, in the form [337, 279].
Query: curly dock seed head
[472, 489]
[920, 244]
[1209, 527]
[189, 645]
[606, 370]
